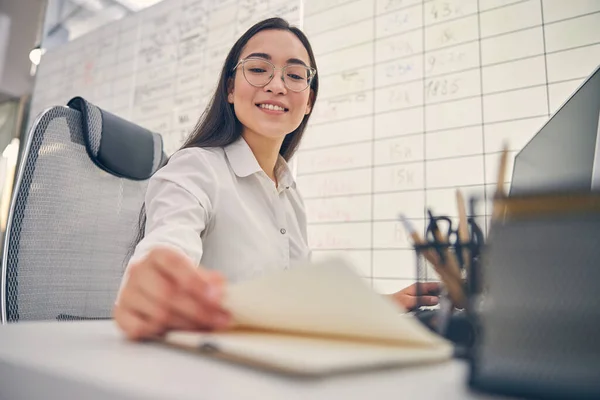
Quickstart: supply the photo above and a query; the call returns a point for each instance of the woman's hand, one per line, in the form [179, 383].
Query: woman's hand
[407, 297]
[166, 291]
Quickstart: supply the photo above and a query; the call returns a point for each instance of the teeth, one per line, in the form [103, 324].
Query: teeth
[271, 107]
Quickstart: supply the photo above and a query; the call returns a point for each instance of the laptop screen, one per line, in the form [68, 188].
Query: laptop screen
[561, 156]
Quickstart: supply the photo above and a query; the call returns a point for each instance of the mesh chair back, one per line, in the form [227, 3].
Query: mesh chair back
[71, 224]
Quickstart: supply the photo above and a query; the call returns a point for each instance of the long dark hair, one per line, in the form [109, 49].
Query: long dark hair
[218, 126]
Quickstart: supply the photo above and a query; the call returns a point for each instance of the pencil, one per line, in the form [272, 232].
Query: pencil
[501, 178]
[463, 228]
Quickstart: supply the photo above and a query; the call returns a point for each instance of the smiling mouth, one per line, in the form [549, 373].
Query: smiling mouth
[272, 107]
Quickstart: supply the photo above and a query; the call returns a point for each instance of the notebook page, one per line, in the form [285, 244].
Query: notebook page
[325, 298]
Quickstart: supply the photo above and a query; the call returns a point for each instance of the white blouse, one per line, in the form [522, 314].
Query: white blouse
[220, 208]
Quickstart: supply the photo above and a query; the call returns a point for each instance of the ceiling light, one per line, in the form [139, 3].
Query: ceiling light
[35, 55]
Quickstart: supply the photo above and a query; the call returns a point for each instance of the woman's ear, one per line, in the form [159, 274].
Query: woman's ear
[230, 90]
[311, 100]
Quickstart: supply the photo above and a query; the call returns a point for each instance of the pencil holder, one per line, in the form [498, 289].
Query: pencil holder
[537, 305]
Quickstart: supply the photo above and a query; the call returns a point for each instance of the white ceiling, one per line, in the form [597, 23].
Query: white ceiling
[78, 17]
[62, 20]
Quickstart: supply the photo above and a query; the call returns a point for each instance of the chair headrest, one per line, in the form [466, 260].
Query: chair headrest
[116, 145]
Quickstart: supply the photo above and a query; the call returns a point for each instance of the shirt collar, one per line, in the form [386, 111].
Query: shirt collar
[284, 174]
[241, 158]
[244, 163]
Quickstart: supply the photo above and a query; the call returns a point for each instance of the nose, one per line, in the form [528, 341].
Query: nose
[276, 85]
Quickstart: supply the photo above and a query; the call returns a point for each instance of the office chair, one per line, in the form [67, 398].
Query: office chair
[75, 213]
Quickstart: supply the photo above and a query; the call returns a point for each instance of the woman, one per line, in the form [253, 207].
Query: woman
[226, 207]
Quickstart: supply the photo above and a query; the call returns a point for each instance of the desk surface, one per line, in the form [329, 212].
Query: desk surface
[92, 360]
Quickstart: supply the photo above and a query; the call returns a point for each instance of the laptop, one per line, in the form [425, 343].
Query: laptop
[565, 153]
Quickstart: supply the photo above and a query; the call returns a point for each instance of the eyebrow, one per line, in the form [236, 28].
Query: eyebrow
[268, 57]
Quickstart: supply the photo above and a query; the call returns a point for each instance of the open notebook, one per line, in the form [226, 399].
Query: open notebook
[315, 320]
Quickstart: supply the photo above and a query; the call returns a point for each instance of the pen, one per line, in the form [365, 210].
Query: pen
[437, 236]
[418, 240]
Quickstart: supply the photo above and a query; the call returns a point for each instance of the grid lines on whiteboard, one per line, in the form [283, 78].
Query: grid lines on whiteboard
[416, 99]
[482, 103]
[372, 261]
[158, 67]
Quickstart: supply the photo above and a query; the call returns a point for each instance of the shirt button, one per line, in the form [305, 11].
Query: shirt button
[282, 231]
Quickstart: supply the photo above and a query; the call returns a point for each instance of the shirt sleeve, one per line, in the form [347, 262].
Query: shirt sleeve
[178, 202]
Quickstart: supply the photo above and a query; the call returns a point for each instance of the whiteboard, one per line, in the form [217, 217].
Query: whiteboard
[417, 98]
[157, 68]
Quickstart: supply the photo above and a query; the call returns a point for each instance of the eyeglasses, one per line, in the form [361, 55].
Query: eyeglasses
[260, 72]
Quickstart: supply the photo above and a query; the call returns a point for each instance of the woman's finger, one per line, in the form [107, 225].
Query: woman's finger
[428, 300]
[430, 287]
[155, 286]
[187, 277]
[166, 291]
[135, 326]
[183, 324]
[137, 302]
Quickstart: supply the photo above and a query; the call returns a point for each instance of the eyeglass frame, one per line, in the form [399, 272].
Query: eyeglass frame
[313, 73]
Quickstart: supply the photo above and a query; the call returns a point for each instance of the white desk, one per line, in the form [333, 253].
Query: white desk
[91, 360]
